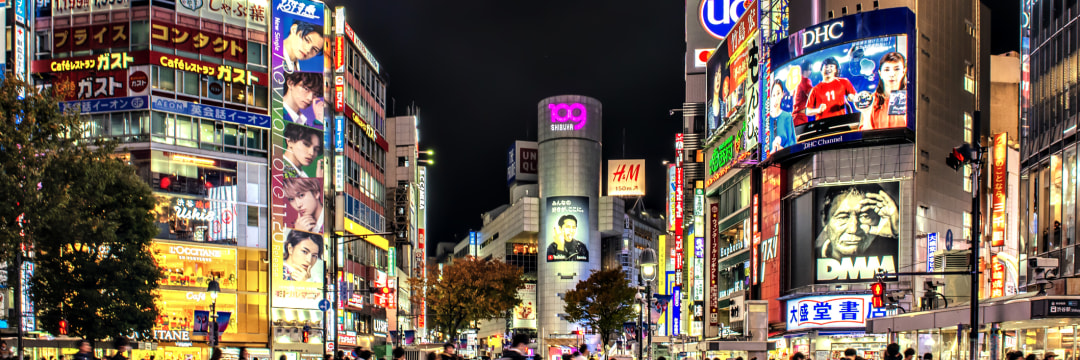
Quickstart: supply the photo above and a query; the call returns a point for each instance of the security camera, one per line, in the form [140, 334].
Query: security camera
[1043, 269]
[1041, 262]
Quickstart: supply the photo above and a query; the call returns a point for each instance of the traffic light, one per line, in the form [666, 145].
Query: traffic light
[305, 336]
[960, 155]
[63, 327]
[383, 291]
[878, 291]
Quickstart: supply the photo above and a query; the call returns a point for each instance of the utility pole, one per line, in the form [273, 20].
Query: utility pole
[976, 169]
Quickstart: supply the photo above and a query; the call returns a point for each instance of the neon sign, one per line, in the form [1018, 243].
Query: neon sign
[719, 16]
[563, 112]
[194, 210]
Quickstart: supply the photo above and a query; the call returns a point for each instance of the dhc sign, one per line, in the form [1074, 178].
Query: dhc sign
[719, 16]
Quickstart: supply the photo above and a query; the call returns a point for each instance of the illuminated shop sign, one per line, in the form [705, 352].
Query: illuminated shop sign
[626, 178]
[834, 311]
[237, 12]
[719, 16]
[177, 312]
[568, 117]
[90, 37]
[172, 335]
[106, 105]
[203, 42]
[209, 112]
[102, 62]
[368, 56]
[729, 152]
[339, 93]
[221, 72]
[1000, 173]
[744, 29]
[105, 85]
[339, 54]
[197, 220]
[70, 7]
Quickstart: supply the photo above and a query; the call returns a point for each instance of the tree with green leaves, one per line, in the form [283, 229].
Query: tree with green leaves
[468, 290]
[603, 303]
[82, 216]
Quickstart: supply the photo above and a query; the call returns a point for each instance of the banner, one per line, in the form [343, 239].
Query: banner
[831, 311]
[626, 177]
[858, 231]
[1000, 171]
[91, 37]
[525, 313]
[568, 219]
[298, 109]
[203, 42]
[714, 264]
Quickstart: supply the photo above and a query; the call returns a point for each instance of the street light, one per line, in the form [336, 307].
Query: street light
[213, 289]
[648, 263]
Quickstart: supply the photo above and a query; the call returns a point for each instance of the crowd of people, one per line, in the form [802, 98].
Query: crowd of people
[892, 352]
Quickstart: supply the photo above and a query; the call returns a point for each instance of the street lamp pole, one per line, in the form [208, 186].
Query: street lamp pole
[648, 264]
[348, 238]
[213, 288]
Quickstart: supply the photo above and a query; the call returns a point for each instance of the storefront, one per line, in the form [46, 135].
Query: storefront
[1025, 322]
[824, 326]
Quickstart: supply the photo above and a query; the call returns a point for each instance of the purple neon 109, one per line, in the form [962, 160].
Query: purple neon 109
[563, 112]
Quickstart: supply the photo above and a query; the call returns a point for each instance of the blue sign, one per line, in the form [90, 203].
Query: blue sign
[948, 240]
[324, 305]
[106, 105]
[20, 11]
[209, 112]
[339, 133]
[719, 16]
[931, 248]
[676, 310]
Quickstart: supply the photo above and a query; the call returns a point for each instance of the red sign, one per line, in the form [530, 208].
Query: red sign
[743, 29]
[714, 262]
[95, 84]
[755, 240]
[200, 42]
[339, 54]
[339, 93]
[100, 36]
[997, 278]
[1000, 185]
[771, 267]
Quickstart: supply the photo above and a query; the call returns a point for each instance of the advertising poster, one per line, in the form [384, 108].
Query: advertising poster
[732, 94]
[1000, 177]
[626, 177]
[297, 171]
[568, 220]
[525, 313]
[834, 81]
[671, 198]
[858, 231]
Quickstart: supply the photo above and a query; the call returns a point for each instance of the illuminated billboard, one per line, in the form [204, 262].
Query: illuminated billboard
[626, 177]
[858, 231]
[840, 81]
[568, 219]
[297, 164]
[831, 312]
[732, 78]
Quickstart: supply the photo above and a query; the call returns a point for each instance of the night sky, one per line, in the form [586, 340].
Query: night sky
[477, 68]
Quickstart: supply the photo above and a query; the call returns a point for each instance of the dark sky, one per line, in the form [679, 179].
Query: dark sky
[477, 68]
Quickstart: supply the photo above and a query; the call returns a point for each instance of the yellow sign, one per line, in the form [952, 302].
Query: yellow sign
[224, 73]
[357, 229]
[368, 130]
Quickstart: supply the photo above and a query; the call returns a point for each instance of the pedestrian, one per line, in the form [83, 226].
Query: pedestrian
[244, 354]
[122, 346]
[798, 356]
[399, 353]
[1031, 357]
[282, 357]
[449, 352]
[929, 356]
[5, 352]
[215, 354]
[431, 356]
[1050, 356]
[519, 348]
[892, 352]
[851, 354]
[86, 352]
[909, 354]
[584, 350]
[364, 354]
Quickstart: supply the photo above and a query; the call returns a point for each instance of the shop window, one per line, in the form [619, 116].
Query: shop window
[164, 78]
[1069, 196]
[1055, 202]
[197, 219]
[190, 83]
[257, 55]
[260, 96]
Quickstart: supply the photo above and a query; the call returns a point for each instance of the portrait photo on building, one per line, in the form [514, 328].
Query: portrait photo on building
[567, 224]
[858, 231]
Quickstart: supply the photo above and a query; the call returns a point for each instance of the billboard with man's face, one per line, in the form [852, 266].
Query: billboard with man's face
[832, 82]
[299, 116]
[567, 225]
[858, 231]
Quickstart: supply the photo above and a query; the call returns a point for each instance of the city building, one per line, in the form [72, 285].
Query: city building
[408, 193]
[224, 128]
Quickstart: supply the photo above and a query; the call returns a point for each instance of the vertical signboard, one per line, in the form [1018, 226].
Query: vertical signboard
[421, 242]
[671, 199]
[997, 279]
[714, 262]
[931, 249]
[679, 209]
[1000, 185]
[297, 180]
[20, 53]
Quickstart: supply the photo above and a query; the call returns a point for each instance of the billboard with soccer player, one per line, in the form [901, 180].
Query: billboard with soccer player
[839, 81]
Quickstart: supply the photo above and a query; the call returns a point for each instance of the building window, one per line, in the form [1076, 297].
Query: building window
[920, 218]
[967, 225]
[402, 161]
[969, 84]
[968, 127]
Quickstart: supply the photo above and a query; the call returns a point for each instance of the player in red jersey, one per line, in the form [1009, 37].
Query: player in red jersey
[829, 97]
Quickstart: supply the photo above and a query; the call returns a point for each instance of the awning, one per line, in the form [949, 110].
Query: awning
[1016, 308]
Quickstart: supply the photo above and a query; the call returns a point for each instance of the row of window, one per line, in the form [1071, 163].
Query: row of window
[1055, 90]
[362, 214]
[202, 86]
[358, 67]
[207, 134]
[356, 138]
[359, 178]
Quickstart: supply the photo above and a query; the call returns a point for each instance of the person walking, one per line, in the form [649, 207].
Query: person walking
[399, 353]
[86, 352]
[519, 348]
[122, 347]
[449, 352]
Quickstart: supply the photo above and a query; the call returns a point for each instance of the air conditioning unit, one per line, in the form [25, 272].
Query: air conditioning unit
[957, 288]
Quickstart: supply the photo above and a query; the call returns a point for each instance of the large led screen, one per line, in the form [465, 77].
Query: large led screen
[568, 219]
[297, 171]
[833, 82]
[858, 231]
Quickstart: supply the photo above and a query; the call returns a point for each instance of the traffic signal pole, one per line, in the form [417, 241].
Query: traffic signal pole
[976, 167]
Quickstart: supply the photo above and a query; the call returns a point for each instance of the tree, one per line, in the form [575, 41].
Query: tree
[80, 216]
[603, 303]
[95, 267]
[469, 290]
